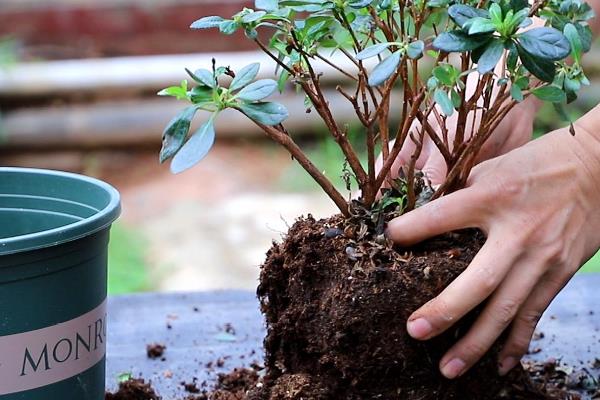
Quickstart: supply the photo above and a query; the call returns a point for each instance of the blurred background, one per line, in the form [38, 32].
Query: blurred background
[78, 83]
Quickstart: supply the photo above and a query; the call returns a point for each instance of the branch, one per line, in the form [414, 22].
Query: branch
[434, 137]
[387, 165]
[315, 94]
[277, 60]
[332, 65]
[297, 153]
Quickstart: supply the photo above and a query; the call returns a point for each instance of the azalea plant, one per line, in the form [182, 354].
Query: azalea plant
[460, 66]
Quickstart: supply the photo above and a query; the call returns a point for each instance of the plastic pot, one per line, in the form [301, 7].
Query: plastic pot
[54, 230]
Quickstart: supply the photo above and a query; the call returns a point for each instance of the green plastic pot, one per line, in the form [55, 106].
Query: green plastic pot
[54, 230]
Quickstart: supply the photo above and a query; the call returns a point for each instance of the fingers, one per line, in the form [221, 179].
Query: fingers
[496, 316]
[474, 285]
[435, 168]
[457, 210]
[518, 340]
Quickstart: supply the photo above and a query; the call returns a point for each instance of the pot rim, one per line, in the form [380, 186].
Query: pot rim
[100, 220]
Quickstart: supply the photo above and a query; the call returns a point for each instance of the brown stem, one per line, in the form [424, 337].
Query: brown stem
[371, 156]
[410, 176]
[536, 6]
[287, 142]
[389, 35]
[332, 65]
[354, 102]
[463, 111]
[400, 139]
[433, 135]
[458, 175]
[277, 60]
[321, 105]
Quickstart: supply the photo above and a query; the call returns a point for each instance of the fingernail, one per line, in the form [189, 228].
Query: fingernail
[506, 365]
[419, 328]
[453, 368]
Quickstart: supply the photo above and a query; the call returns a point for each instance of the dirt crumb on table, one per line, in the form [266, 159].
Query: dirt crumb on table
[155, 350]
[134, 389]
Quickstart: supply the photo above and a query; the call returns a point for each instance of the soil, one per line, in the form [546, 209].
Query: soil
[133, 389]
[155, 350]
[336, 298]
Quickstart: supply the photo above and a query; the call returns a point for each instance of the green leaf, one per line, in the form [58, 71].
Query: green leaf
[572, 85]
[541, 69]
[244, 76]
[478, 52]
[201, 94]
[384, 69]
[432, 83]
[267, 113]
[306, 5]
[522, 82]
[455, 97]
[434, 18]
[513, 57]
[195, 149]
[444, 102]
[496, 14]
[480, 25]
[257, 90]
[545, 43]
[437, 3]
[251, 33]
[458, 41]
[550, 93]
[283, 78]
[562, 112]
[179, 92]
[207, 22]
[228, 27]
[175, 133]
[516, 93]
[585, 33]
[519, 20]
[268, 5]
[202, 76]
[373, 50]
[490, 57]
[446, 74]
[518, 5]
[124, 377]
[360, 3]
[253, 16]
[575, 41]
[415, 49]
[461, 13]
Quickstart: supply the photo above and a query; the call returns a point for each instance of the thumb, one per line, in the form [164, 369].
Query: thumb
[457, 210]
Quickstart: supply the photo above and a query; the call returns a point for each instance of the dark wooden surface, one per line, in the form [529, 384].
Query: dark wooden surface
[193, 327]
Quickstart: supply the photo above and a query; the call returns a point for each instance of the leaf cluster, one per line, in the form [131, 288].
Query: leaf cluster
[473, 58]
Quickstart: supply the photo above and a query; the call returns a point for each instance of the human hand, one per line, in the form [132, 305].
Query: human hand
[538, 207]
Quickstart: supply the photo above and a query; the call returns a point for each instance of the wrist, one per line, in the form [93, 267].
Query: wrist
[586, 147]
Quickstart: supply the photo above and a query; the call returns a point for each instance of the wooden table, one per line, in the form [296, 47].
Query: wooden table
[226, 328]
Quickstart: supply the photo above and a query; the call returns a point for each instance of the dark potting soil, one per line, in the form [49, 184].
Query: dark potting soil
[336, 299]
[155, 350]
[133, 389]
[231, 386]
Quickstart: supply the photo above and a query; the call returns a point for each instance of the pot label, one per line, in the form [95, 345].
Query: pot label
[30, 360]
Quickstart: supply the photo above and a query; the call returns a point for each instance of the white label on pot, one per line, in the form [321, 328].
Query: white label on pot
[38, 358]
